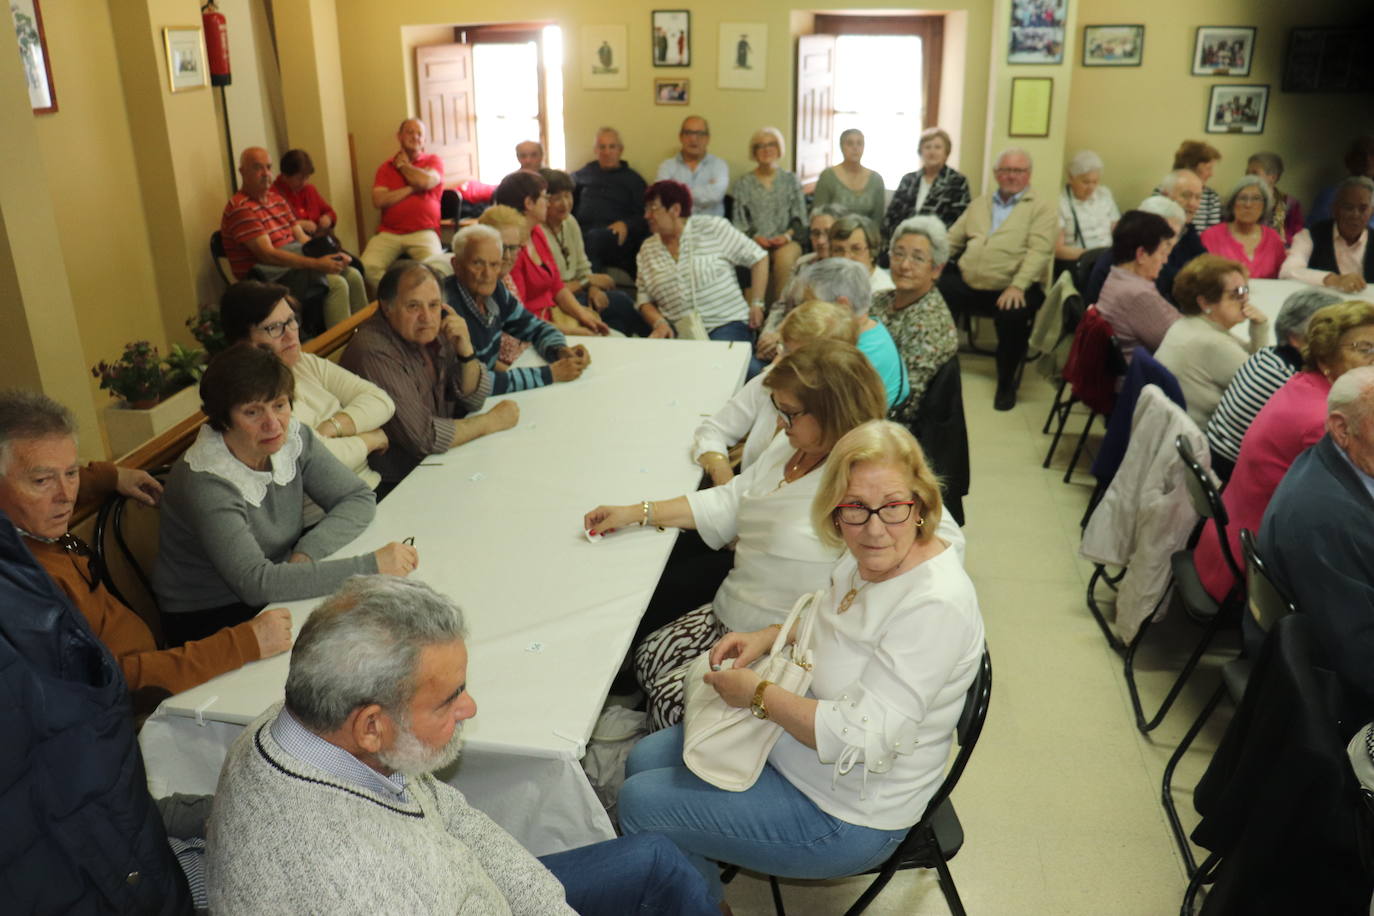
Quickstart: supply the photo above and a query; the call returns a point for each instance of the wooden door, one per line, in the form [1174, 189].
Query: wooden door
[443, 74]
[815, 105]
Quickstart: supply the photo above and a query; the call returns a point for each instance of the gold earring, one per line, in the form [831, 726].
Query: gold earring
[920, 521]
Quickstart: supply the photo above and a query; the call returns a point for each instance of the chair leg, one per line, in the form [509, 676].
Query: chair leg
[1098, 492]
[1141, 723]
[1167, 787]
[956, 906]
[1205, 874]
[1100, 573]
[1059, 430]
[973, 336]
[1078, 450]
[777, 895]
[1054, 406]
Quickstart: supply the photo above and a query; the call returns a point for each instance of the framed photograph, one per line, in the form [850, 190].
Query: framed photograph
[605, 57]
[1328, 60]
[1113, 45]
[1237, 109]
[1031, 98]
[670, 91]
[185, 58]
[33, 54]
[743, 56]
[672, 33]
[1037, 31]
[1223, 50]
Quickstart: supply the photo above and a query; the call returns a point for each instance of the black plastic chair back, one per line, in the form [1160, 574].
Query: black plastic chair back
[111, 525]
[1268, 602]
[1206, 501]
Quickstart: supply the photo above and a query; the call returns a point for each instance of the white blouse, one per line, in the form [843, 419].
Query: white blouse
[891, 675]
[748, 416]
[1095, 217]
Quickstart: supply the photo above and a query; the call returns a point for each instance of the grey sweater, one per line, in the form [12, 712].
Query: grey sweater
[288, 837]
[217, 548]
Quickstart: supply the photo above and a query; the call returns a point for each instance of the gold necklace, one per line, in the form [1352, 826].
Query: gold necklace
[853, 592]
[797, 465]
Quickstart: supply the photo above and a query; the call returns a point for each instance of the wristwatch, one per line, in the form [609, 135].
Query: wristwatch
[757, 707]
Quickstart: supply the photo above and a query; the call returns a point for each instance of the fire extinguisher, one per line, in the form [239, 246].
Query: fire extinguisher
[216, 45]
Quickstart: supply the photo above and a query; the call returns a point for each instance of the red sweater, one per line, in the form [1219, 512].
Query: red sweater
[537, 283]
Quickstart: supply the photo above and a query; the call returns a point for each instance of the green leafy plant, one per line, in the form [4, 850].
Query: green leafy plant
[206, 328]
[184, 367]
[137, 376]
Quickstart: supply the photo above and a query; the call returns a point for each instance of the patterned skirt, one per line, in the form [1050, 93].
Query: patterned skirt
[663, 656]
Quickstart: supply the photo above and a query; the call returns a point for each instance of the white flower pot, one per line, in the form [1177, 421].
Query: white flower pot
[129, 427]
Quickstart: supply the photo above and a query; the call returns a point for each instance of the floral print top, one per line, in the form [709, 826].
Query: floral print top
[926, 337]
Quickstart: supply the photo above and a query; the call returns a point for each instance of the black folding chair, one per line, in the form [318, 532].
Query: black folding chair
[938, 835]
[1187, 595]
[122, 527]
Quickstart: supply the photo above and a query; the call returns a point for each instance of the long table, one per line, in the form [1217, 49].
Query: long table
[1269, 296]
[497, 523]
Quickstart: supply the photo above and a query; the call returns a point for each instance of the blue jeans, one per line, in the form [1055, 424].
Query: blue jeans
[771, 827]
[739, 330]
[642, 874]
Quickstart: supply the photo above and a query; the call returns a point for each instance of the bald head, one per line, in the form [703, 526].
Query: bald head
[255, 172]
[411, 136]
[608, 148]
[530, 155]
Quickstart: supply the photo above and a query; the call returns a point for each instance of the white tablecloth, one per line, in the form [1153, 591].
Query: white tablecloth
[1269, 296]
[497, 523]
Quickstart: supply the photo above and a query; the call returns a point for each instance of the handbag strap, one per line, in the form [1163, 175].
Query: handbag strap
[803, 642]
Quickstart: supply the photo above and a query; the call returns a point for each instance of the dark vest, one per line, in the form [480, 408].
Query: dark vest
[1324, 250]
[81, 832]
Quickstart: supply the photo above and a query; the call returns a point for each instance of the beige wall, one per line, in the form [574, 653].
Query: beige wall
[1135, 117]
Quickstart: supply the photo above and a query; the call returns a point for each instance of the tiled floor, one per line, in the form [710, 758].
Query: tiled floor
[1060, 802]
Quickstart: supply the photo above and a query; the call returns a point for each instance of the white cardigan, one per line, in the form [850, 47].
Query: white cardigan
[891, 674]
[748, 416]
[324, 388]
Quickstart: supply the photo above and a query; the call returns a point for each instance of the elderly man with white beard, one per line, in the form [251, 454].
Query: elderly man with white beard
[328, 803]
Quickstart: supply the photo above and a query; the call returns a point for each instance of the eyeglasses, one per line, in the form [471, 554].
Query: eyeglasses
[696, 133]
[787, 418]
[78, 549]
[278, 328]
[915, 257]
[510, 251]
[888, 513]
[771, 144]
[853, 250]
[1362, 347]
[1003, 171]
[1249, 199]
[1240, 293]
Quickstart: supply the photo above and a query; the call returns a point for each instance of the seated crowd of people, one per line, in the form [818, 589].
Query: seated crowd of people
[850, 311]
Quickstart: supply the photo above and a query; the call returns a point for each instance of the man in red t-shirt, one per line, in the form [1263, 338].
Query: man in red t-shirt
[261, 236]
[407, 190]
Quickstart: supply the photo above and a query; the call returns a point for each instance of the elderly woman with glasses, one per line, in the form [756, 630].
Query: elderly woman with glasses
[1244, 234]
[1340, 337]
[822, 218]
[232, 536]
[855, 238]
[1199, 349]
[897, 642]
[770, 209]
[820, 392]
[346, 411]
[914, 312]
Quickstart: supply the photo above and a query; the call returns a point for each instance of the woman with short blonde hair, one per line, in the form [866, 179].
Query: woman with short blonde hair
[881, 442]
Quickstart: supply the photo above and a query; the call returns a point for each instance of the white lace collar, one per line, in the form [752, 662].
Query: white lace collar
[210, 455]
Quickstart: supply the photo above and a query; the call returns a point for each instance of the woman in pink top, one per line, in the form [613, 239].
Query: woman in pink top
[535, 272]
[1243, 235]
[1339, 338]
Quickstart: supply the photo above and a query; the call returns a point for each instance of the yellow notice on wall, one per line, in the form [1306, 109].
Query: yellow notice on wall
[1030, 106]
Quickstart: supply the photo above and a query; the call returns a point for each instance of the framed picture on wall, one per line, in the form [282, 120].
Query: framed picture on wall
[605, 54]
[1113, 45]
[33, 54]
[670, 91]
[1237, 109]
[1037, 31]
[743, 56]
[672, 34]
[1223, 50]
[185, 58]
[1031, 100]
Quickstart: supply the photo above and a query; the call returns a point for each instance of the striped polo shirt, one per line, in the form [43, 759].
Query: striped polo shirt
[703, 274]
[245, 219]
[1268, 370]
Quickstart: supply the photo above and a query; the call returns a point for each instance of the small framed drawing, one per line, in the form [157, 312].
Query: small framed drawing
[185, 58]
[1223, 50]
[1113, 45]
[604, 57]
[743, 56]
[1031, 100]
[1037, 31]
[1237, 109]
[672, 38]
[670, 91]
[33, 54]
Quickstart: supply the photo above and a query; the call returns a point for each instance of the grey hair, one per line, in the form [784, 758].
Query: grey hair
[602, 131]
[1272, 164]
[30, 415]
[1228, 204]
[362, 646]
[1297, 310]
[847, 225]
[467, 234]
[836, 278]
[834, 211]
[1352, 395]
[929, 226]
[1354, 181]
[1160, 205]
[1083, 162]
[1014, 151]
[1170, 181]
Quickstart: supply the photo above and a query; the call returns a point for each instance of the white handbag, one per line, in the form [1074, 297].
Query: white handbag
[725, 745]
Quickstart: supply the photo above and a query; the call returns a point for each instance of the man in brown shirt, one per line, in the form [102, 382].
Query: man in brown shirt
[39, 483]
[419, 350]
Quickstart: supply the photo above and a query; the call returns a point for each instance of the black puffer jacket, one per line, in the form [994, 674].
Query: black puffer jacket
[78, 831]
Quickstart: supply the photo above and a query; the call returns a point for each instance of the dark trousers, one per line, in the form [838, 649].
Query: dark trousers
[192, 625]
[1013, 325]
[604, 250]
[739, 331]
[693, 573]
[620, 313]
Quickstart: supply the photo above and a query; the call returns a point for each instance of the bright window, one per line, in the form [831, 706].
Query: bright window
[883, 100]
[506, 82]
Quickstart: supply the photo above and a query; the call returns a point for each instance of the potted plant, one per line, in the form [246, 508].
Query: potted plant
[206, 329]
[136, 377]
[154, 394]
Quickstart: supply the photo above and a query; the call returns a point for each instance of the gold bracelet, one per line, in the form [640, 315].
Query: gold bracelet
[720, 455]
[644, 520]
[757, 708]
